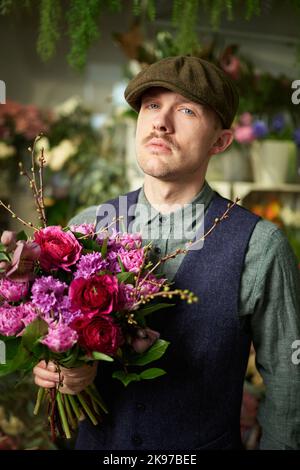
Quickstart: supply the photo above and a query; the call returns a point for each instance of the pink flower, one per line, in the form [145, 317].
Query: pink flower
[13, 320]
[244, 134]
[144, 339]
[246, 119]
[132, 259]
[22, 265]
[59, 249]
[97, 294]
[13, 291]
[60, 338]
[9, 239]
[85, 229]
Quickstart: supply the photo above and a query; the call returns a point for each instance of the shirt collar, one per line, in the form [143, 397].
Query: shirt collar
[204, 196]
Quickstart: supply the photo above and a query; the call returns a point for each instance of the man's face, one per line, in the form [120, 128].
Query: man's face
[174, 136]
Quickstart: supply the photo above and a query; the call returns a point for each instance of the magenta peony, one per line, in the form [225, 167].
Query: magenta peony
[98, 333]
[59, 249]
[95, 295]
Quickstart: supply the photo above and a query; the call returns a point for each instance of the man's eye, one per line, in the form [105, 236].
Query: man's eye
[151, 106]
[187, 111]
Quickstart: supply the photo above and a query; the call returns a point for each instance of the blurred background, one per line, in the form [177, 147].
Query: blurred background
[65, 65]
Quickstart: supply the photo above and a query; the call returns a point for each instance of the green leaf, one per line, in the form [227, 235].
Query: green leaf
[33, 332]
[16, 359]
[90, 245]
[152, 373]
[104, 247]
[126, 378]
[152, 308]
[4, 256]
[22, 236]
[156, 351]
[127, 278]
[121, 264]
[99, 356]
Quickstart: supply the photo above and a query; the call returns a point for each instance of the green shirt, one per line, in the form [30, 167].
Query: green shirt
[270, 294]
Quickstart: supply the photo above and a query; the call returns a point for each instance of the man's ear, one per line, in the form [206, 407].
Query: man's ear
[222, 143]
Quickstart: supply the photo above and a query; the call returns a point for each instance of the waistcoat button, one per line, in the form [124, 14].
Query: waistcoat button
[137, 440]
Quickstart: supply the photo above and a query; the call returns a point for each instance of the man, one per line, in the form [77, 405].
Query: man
[245, 276]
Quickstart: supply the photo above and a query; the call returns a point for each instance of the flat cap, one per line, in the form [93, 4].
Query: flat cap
[192, 77]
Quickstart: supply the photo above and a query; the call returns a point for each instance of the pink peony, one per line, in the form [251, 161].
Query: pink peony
[60, 338]
[244, 134]
[13, 320]
[97, 294]
[132, 259]
[13, 291]
[59, 249]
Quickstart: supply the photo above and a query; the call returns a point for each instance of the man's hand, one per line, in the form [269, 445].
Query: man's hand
[74, 380]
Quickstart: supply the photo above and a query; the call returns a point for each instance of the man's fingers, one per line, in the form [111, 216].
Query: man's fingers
[45, 374]
[44, 383]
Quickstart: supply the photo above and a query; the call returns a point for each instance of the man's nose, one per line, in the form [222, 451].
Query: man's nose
[162, 123]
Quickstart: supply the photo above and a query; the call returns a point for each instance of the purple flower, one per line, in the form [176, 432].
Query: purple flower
[278, 123]
[151, 285]
[13, 320]
[48, 294]
[260, 129]
[297, 136]
[60, 338]
[90, 264]
[13, 291]
[126, 298]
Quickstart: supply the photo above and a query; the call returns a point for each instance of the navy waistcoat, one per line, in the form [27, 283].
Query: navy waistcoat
[197, 404]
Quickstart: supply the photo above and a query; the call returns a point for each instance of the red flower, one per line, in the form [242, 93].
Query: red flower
[95, 295]
[59, 249]
[98, 333]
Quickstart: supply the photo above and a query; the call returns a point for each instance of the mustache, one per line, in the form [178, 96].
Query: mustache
[165, 138]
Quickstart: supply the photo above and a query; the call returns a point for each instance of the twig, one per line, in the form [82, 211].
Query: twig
[14, 216]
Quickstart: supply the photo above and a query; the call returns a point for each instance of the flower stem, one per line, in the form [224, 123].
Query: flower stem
[75, 408]
[71, 418]
[39, 399]
[62, 415]
[93, 392]
[87, 408]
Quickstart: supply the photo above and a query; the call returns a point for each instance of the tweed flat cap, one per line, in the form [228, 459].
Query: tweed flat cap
[195, 78]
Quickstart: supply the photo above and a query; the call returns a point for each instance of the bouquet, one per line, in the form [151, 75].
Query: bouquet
[74, 296]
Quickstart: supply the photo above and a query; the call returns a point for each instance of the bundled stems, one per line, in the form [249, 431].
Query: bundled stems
[64, 410]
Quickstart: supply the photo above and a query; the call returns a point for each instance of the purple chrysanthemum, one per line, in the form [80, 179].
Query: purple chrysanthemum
[90, 264]
[48, 294]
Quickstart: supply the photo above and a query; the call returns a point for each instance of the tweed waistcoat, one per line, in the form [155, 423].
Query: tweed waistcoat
[196, 405]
